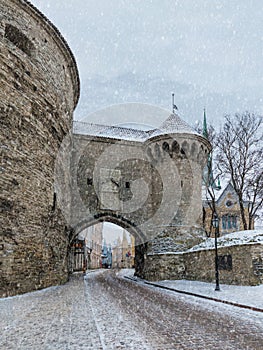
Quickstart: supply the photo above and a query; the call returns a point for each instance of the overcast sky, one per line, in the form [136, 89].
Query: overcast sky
[208, 52]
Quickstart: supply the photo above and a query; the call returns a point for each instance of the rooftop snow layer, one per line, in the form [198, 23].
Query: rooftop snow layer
[172, 125]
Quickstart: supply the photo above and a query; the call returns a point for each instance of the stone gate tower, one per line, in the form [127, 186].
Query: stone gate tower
[148, 182]
[39, 91]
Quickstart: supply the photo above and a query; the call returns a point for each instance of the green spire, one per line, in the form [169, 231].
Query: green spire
[205, 132]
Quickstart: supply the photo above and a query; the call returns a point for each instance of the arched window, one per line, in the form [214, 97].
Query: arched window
[166, 147]
[229, 221]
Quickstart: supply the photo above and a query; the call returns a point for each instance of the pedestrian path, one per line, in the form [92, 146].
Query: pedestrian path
[242, 296]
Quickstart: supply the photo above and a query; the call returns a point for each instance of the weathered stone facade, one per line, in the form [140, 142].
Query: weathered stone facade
[146, 182]
[39, 90]
[246, 265]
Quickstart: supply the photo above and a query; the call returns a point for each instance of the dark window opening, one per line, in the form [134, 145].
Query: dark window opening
[54, 201]
[127, 184]
[165, 147]
[225, 262]
[19, 39]
[175, 147]
[89, 181]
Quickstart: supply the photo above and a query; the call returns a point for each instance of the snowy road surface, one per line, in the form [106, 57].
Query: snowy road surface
[105, 311]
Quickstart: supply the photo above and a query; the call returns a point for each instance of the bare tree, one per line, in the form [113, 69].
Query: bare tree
[211, 172]
[239, 154]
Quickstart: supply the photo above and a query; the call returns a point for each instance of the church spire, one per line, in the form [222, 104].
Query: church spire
[205, 132]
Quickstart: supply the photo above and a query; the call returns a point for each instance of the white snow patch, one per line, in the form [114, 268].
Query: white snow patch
[246, 295]
[235, 238]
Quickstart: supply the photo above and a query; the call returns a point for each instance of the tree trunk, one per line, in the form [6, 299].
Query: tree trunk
[242, 212]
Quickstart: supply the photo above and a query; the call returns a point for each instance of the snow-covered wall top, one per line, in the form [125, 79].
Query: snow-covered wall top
[235, 238]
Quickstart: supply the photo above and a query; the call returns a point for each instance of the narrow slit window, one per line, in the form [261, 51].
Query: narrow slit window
[54, 201]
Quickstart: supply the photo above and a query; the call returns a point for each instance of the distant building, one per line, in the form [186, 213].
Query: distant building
[227, 209]
[226, 200]
[123, 252]
[106, 256]
[93, 242]
[78, 255]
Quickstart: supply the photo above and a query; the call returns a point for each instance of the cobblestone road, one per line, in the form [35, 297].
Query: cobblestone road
[106, 312]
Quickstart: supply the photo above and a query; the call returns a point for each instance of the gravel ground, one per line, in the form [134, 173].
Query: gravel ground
[105, 311]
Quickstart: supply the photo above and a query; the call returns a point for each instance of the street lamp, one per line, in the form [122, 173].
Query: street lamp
[215, 223]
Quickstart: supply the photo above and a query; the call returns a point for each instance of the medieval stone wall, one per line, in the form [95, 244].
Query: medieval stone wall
[246, 266]
[105, 172]
[153, 186]
[39, 90]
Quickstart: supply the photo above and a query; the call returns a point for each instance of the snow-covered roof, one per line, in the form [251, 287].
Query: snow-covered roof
[83, 128]
[231, 239]
[172, 125]
[218, 192]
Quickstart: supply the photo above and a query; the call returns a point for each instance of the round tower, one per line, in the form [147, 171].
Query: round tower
[178, 147]
[39, 91]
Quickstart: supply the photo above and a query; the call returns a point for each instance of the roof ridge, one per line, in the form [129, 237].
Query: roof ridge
[172, 125]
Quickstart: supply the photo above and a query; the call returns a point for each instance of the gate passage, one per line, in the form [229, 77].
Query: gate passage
[148, 182]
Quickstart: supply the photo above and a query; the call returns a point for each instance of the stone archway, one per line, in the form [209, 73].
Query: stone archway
[148, 182]
[140, 248]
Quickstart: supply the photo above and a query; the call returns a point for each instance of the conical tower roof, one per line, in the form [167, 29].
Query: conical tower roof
[174, 125]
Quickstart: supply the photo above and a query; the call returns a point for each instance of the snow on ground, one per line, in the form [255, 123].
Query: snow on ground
[235, 238]
[245, 295]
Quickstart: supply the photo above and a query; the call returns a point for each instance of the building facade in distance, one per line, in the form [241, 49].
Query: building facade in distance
[228, 211]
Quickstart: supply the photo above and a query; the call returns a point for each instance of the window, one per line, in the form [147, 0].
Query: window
[175, 147]
[229, 203]
[166, 147]
[19, 39]
[229, 222]
[234, 221]
[54, 201]
[89, 181]
[224, 222]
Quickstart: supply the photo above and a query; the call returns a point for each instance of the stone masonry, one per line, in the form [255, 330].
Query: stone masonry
[246, 265]
[146, 182]
[54, 184]
[39, 91]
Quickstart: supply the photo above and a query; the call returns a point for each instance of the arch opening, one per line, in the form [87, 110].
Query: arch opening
[106, 242]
